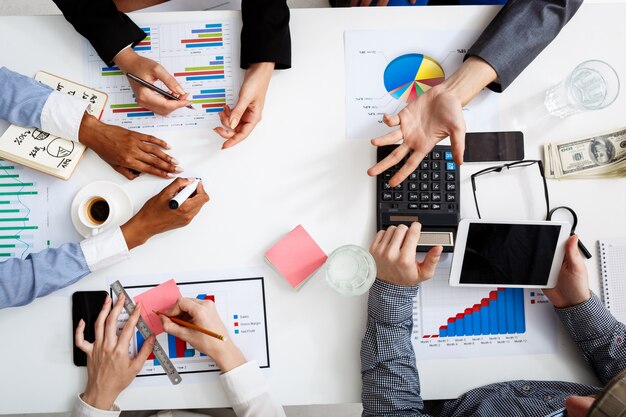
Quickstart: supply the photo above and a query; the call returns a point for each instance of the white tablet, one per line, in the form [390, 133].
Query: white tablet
[515, 254]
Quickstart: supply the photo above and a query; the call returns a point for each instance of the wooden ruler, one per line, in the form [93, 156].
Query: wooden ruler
[145, 331]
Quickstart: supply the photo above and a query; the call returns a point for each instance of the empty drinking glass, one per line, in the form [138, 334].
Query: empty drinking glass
[592, 85]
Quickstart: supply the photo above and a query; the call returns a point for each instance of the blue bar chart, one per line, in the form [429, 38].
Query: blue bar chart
[458, 322]
[502, 312]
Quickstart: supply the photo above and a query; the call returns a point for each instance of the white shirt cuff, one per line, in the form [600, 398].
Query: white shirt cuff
[105, 249]
[61, 115]
[82, 409]
[244, 383]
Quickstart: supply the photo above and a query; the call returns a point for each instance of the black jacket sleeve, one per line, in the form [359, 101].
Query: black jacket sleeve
[107, 29]
[517, 34]
[265, 35]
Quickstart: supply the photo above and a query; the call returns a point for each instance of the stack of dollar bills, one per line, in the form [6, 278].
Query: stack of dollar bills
[602, 156]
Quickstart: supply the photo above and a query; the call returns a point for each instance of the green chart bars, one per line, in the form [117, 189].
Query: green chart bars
[17, 231]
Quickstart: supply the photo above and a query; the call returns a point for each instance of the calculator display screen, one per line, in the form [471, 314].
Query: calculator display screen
[509, 254]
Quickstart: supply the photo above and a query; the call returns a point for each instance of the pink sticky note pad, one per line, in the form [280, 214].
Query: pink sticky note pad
[160, 298]
[296, 257]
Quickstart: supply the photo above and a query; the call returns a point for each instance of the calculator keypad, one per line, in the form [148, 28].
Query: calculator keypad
[433, 187]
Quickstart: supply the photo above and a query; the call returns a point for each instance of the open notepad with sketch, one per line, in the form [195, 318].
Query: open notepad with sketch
[613, 269]
[42, 151]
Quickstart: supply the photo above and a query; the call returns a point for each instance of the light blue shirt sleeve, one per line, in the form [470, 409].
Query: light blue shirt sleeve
[21, 99]
[23, 280]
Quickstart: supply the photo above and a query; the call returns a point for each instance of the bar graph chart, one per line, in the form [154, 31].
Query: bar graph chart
[200, 57]
[23, 208]
[451, 322]
[502, 312]
[209, 36]
[240, 303]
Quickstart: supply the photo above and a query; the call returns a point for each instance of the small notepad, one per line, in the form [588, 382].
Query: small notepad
[160, 298]
[296, 257]
[613, 269]
[42, 151]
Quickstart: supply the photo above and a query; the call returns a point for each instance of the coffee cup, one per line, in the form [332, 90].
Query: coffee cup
[95, 212]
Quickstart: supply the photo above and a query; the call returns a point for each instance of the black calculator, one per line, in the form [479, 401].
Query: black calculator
[429, 195]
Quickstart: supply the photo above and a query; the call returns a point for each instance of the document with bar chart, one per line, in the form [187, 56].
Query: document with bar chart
[460, 322]
[199, 55]
[23, 212]
[386, 70]
[240, 303]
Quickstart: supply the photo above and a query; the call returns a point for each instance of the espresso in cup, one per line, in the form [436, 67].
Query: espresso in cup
[97, 210]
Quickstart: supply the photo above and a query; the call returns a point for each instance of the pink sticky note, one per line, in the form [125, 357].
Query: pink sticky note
[160, 298]
[296, 257]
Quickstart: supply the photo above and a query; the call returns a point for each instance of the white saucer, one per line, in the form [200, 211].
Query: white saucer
[113, 193]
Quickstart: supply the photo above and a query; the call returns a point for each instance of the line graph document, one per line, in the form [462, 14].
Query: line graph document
[200, 55]
[460, 322]
[385, 70]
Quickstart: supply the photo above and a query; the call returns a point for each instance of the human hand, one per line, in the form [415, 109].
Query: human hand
[428, 119]
[572, 287]
[239, 122]
[361, 3]
[204, 314]
[157, 217]
[394, 252]
[130, 62]
[109, 368]
[431, 117]
[127, 151]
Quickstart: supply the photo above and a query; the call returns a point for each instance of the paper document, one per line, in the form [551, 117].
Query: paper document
[201, 55]
[462, 322]
[240, 302]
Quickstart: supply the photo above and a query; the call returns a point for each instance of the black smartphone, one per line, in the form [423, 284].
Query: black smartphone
[86, 305]
[493, 146]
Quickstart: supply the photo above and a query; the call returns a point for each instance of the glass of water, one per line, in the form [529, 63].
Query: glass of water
[350, 270]
[592, 85]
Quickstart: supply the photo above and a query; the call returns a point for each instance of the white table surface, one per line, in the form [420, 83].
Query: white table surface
[298, 168]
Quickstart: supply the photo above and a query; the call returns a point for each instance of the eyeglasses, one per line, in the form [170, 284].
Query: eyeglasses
[518, 164]
[549, 213]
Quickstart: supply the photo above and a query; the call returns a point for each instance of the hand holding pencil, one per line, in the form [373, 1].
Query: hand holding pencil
[198, 323]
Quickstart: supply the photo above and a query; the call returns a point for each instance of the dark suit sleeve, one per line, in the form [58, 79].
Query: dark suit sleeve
[265, 35]
[107, 29]
[517, 34]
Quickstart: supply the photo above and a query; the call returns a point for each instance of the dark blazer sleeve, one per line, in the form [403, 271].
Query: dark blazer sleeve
[265, 35]
[517, 34]
[107, 29]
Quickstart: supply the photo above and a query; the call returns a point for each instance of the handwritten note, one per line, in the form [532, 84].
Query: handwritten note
[42, 151]
[160, 298]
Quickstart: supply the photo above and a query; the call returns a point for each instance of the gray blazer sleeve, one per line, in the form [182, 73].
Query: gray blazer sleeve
[517, 34]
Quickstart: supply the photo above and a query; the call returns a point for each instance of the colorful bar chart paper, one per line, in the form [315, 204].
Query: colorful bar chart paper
[410, 75]
[206, 37]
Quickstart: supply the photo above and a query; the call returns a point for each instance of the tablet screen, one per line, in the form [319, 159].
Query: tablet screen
[509, 254]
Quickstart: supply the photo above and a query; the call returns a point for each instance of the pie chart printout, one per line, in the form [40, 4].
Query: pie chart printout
[410, 75]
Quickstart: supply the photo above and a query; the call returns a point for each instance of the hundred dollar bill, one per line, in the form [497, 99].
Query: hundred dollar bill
[600, 155]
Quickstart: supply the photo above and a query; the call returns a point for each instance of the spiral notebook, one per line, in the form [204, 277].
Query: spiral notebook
[613, 269]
